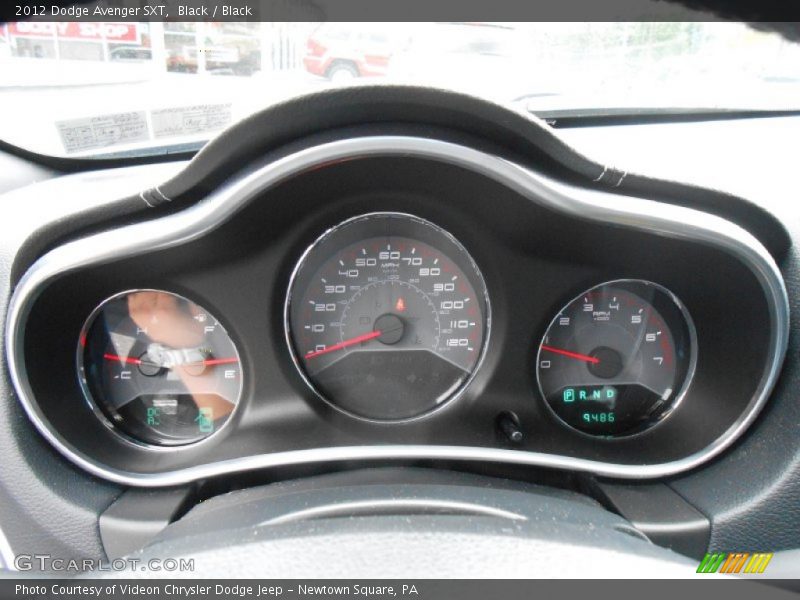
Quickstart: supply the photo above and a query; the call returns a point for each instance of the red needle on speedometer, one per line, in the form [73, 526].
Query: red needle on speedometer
[575, 355]
[351, 342]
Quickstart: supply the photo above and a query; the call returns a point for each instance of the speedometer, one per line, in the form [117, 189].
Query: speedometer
[387, 317]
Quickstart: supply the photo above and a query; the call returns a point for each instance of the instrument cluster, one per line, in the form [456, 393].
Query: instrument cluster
[441, 308]
[387, 318]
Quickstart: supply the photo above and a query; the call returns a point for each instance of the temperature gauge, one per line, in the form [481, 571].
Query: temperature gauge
[160, 368]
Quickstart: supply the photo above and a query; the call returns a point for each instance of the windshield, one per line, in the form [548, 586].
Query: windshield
[91, 89]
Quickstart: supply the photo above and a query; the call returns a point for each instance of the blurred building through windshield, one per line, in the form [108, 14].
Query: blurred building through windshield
[535, 52]
[215, 48]
[134, 86]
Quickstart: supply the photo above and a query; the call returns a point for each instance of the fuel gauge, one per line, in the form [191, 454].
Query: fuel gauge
[159, 368]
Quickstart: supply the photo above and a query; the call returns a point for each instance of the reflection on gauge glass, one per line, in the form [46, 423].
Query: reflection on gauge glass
[616, 360]
[387, 316]
[160, 368]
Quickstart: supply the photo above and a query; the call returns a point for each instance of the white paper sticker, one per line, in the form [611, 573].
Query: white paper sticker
[103, 131]
[188, 120]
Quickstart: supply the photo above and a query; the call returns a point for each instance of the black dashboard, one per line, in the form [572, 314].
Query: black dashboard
[538, 244]
[394, 293]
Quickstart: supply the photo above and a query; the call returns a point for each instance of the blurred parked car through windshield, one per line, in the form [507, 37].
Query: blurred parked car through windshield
[154, 87]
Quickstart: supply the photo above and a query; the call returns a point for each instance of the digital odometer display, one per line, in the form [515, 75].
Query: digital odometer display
[387, 316]
[616, 360]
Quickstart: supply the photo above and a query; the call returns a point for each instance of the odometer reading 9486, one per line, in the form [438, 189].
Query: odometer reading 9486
[387, 316]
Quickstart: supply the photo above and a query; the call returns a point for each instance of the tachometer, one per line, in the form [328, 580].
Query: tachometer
[387, 316]
[617, 359]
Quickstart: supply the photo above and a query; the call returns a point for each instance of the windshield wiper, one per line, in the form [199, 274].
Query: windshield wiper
[592, 117]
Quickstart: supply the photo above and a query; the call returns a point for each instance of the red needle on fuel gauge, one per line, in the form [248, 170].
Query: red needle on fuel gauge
[351, 342]
[575, 355]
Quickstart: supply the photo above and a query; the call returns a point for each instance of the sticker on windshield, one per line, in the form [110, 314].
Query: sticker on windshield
[103, 131]
[188, 120]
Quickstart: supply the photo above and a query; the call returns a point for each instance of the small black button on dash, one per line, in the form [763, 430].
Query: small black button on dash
[509, 425]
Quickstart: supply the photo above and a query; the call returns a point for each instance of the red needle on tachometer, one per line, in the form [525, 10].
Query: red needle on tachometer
[575, 355]
[351, 342]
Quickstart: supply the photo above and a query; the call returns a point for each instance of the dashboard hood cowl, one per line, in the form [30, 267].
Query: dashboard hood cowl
[357, 110]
